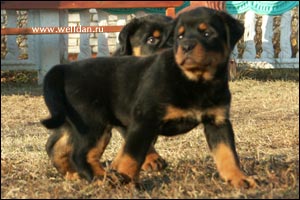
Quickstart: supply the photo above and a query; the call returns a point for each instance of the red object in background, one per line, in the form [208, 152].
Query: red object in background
[217, 5]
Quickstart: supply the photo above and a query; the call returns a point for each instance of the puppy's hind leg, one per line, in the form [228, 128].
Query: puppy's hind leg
[59, 150]
[88, 150]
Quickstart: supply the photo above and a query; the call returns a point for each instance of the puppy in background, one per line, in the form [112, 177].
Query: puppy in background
[140, 37]
[145, 35]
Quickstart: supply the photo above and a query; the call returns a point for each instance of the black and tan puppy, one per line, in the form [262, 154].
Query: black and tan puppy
[168, 93]
[145, 35]
[140, 37]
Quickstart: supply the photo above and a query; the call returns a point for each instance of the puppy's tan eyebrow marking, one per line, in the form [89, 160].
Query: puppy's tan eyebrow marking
[202, 26]
[156, 33]
[181, 30]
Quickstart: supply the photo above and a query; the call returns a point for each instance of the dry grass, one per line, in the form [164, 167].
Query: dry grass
[265, 117]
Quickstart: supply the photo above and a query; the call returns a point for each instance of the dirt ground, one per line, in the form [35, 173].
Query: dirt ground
[265, 118]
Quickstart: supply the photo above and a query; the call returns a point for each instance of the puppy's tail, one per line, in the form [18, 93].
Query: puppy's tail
[57, 103]
[54, 96]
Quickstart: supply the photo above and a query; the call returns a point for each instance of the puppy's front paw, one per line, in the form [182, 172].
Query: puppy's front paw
[154, 162]
[125, 169]
[242, 181]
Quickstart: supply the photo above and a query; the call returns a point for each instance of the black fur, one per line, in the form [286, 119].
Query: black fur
[57, 103]
[167, 93]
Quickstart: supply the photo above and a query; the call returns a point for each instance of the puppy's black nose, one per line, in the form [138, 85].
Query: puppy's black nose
[188, 45]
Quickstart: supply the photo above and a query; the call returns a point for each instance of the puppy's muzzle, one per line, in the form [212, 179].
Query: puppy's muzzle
[188, 45]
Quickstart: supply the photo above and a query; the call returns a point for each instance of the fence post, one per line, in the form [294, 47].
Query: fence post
[267, 34]
[49, 44]
[285, 34]
[250, 21]
[235, 52]
[85, 48]
[64, 38]
[12, 47]
[103, 49]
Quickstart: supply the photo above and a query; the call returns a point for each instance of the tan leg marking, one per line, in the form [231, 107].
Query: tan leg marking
[126, 165]
[61, 157]
[95, 154]
[117, 158]
[229, 169]
[153, 161]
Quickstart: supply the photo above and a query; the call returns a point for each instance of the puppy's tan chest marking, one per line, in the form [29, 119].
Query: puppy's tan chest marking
[173, 112]
[218, 113]
[197, 74]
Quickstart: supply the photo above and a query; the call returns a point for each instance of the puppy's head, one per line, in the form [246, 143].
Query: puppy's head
[204, 39]
[146, 35]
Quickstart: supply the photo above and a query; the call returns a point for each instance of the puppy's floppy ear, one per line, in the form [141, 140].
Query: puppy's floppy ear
[174, 32]
[168, 39]
[234, 28]
[124, 36]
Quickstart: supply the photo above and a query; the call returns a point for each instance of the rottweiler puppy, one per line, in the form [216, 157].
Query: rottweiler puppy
[168, 93]
[145, 35]
[140, 37]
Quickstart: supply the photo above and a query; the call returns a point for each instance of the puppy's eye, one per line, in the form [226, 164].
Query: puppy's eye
[206, 34]
[152, 40]
[180, 37]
